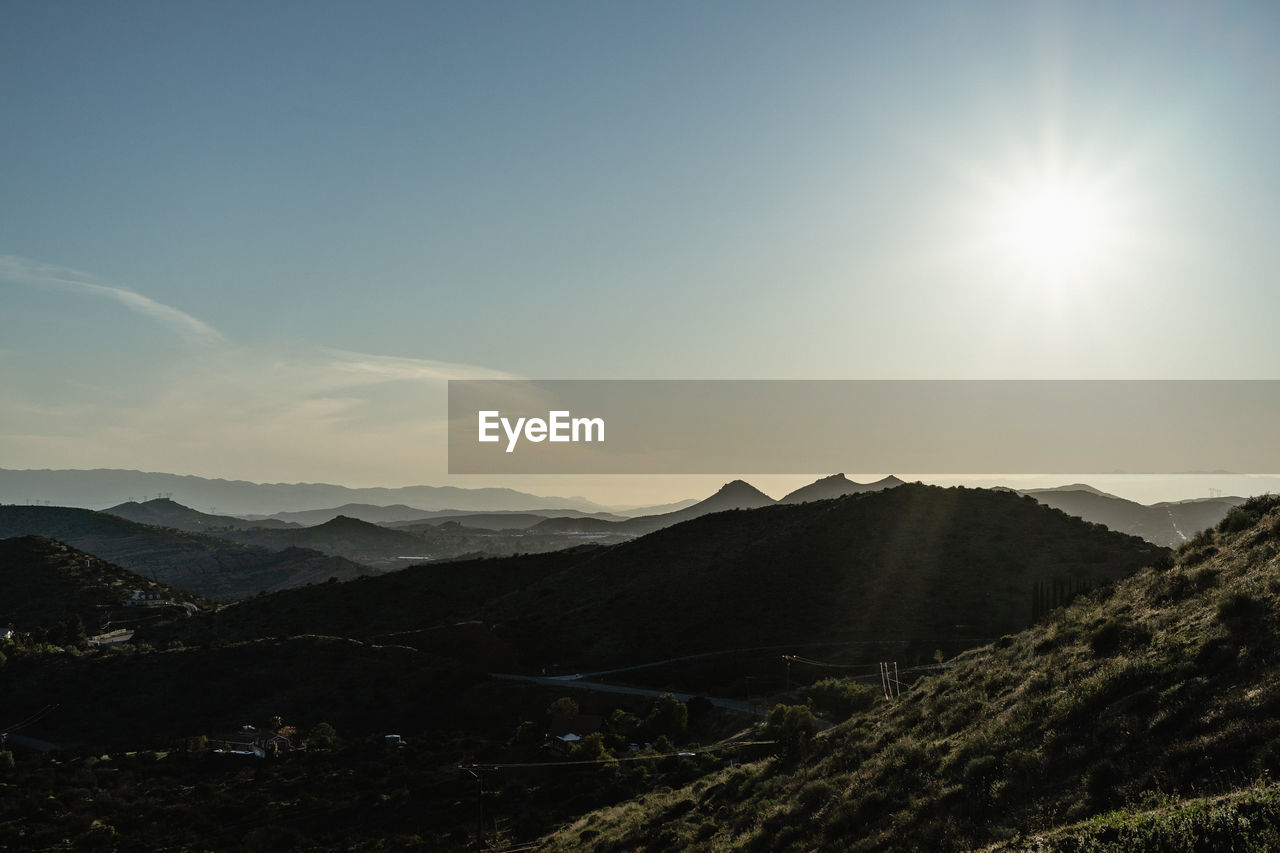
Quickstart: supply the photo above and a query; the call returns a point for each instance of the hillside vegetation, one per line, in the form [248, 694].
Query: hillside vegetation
[46, 582]
[936, 567]
[196, 562]
[1142, 716]
[943, 566]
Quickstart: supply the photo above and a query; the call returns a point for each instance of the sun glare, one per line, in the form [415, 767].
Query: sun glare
[1054, 229]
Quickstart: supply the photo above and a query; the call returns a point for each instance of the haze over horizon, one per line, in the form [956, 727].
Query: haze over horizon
[252, 241]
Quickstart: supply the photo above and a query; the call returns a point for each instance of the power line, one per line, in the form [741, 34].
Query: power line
[22, 724]
[798, 659]
[598, 761]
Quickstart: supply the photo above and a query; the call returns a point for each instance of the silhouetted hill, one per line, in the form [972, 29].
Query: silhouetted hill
[196, 562]
[357, 540]
[659, 509]
[46, 582]
[910, 562]
[162, 512]
[736, 494]
[1165, 524]
[581, 525]
[414, 599]
[500, 520]
[1140, 717]
[364, 512]
[400, 516]
[837, 486]
[916, 562]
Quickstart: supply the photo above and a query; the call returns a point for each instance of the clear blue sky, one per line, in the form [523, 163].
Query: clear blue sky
[251, 239]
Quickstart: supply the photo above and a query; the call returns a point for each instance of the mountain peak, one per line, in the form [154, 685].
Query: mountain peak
[734, 487]
[837, 486]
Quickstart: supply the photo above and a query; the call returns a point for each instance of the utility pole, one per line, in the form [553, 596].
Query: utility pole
[889, 679]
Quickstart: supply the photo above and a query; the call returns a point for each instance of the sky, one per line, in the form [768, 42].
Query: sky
[253, 240]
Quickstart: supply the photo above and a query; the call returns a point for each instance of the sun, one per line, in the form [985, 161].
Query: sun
[1053, 228]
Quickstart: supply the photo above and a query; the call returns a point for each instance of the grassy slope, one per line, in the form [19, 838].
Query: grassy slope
[1141, 717]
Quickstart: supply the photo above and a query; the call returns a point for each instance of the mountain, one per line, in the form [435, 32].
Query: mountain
[1073, 487]
[108, 487]
[195, 562]
[837, 486]
[357, 540]
[914, 561]
[416, 599]
[501, 520]
[364, 512]
[163, 512]
[660, 509]
[1139, 717]
[736, 494]
[399, 515]
[46, 582]
[1164, 524]
[942, 567]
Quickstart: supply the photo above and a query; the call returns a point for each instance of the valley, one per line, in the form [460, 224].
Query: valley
[746, 636]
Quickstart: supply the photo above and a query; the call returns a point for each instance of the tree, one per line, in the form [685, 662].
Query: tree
[840, 698]
[564, 706]
[322, 736]
[793, 727]
[68, 632]
[669, 716]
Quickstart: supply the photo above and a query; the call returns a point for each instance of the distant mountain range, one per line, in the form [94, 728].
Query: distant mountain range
[109, 487]
[197, 562]
[837, 486]
[399, 514]
[737, 494]
[163, 512]
[1166, 524]
[227, 558]
[361, 541]
[939, 565]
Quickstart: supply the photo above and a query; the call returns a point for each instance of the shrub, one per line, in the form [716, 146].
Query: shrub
[840, 698]
[322, 736]
[669, 716]
[1248, 514]
[793, 727]
[814, 795]
[1116, 634]
[1238, 606]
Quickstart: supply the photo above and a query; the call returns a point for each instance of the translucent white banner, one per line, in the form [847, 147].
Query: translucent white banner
[783, 426]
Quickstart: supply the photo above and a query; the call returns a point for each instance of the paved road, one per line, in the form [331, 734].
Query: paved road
[732, 704]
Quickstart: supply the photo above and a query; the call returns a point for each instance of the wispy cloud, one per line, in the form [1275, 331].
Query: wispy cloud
[393, 368]
[269, 409]
[25, 271]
